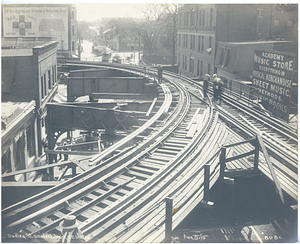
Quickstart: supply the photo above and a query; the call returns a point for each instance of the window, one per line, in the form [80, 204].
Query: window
[209, 42]
[73, 46]
[53, 75]
[201, 69]
[42, 87]
[179, 40]
[228, 53]
[49, 80]
[199, 43]
[179, 19]
[203, 20]
[192, 64]
[45, 85]
[202, 44]
[30, 141]
[178, 60]
[289, 23]
[186, 41]
[185, 63]
[73, 14]
[200, 17]
[6, 162]
[193, 42]
[211, 17]
[193, 16]
[208, 69]
[73, 30]
[198, 68]
[222, 54]
[276, 22]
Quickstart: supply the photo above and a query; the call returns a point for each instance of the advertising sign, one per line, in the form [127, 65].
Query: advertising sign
[272, 76]
[37, 21]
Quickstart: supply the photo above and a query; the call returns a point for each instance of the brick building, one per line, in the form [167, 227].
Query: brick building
[201, 27]
[29, 72]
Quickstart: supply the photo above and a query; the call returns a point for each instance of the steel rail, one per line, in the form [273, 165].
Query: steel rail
[48, 192]
[36, 198]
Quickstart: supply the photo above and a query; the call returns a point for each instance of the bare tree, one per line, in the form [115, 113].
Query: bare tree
[171, 29]
[151, 28]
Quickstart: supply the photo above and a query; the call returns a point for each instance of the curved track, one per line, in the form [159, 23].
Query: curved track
[121, 199]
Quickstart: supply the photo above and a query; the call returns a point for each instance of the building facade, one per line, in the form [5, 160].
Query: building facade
[29, 72]
[43, 20]
[19, 138]
[201, 27]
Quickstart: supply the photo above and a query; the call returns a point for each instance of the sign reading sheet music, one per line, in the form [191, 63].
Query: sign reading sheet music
[272, 76]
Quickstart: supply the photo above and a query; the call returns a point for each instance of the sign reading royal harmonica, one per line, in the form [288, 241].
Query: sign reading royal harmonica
[272, 76]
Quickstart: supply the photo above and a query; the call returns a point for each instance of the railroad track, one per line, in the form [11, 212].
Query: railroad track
[104, 191]
[121, 199]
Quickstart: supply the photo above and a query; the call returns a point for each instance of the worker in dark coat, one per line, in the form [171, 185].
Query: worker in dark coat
[219, 91]
[159, 73]
[205, 84]
[215, 87]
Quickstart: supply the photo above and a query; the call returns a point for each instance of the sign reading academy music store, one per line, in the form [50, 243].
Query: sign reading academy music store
[36, 21]
[272, 76]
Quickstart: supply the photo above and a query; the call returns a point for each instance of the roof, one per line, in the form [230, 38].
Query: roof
[11, 110]
[23, 46]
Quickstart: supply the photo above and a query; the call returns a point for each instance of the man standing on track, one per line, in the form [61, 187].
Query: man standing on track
[215, 87]
[159, 73]
[205, 84]
[219, 91]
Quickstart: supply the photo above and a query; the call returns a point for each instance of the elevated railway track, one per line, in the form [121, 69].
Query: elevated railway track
[122, 198]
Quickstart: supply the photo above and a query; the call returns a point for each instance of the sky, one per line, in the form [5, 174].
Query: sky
[91, 12]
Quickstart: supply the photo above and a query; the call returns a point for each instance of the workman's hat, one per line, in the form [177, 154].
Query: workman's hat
[207, 75]
[214, 75]
[69, 222]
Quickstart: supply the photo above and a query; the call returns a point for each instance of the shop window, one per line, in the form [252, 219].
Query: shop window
[227, 59]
